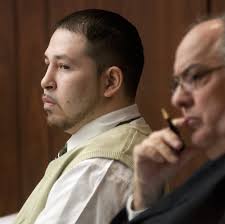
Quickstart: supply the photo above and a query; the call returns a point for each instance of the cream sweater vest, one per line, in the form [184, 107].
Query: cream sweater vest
[116, 144]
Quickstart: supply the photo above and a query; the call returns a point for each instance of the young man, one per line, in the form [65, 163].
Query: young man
[94, 62]
[199, 92]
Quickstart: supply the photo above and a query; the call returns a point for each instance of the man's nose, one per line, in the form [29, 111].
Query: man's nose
[182, 98]
[48, 81]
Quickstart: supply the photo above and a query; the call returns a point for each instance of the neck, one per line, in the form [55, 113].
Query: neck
[106, 108]
[216, 152]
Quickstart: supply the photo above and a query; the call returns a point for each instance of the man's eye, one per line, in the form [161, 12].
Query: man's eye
[197, 77]
[174, 84]
[46, 62]
[62, 66]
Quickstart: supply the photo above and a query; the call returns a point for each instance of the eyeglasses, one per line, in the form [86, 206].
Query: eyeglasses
[191, 79]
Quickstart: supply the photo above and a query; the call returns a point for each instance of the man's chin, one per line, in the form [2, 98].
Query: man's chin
[52, 122]
[58, 123]
[201, 140]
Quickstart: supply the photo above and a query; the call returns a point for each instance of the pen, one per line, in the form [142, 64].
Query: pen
[171, 125]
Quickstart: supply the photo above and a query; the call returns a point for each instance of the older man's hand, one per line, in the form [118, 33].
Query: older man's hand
[157, 159]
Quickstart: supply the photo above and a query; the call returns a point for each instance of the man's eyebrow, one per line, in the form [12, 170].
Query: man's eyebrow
[62, 56]
[191, 68]
[59, 57]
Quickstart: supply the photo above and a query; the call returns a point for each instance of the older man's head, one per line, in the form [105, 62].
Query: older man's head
[199, 85]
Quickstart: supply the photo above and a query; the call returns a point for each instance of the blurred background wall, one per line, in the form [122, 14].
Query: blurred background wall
[26, 143]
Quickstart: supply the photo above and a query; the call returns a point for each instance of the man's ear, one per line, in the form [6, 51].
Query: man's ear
[113, 79]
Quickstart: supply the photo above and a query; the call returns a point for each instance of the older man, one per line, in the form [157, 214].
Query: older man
[199, 92]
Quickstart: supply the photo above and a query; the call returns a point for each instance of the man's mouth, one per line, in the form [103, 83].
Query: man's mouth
[48, 101]
[193, 122]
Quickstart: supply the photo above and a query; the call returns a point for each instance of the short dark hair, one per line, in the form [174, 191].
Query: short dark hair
[112, 41]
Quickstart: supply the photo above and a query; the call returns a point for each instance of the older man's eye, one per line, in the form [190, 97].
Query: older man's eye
[174, 84]
[197, 79]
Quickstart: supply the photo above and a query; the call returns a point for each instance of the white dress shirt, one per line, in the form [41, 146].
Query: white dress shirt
[95, 190]
[8, 219]
[130, 212]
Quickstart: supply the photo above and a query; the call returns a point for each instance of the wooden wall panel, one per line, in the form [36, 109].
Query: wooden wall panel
[9, 163]
[216, 7]
[33, 132]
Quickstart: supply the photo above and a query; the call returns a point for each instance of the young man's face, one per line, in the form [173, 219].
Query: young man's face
[202, 100]
[71, 84]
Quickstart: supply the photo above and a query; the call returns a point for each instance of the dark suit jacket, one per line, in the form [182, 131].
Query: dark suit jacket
[201, 200]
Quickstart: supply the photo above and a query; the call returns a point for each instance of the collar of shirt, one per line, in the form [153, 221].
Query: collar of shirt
[102, 124]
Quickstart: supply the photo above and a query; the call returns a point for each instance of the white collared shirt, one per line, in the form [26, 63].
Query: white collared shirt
[102, 124]
[131, 213]
[95, 190]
